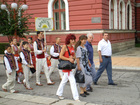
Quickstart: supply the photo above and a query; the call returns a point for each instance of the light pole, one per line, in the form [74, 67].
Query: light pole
[15, 6]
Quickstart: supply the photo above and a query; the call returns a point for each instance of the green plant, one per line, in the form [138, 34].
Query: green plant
[2, 47]
[9, 27]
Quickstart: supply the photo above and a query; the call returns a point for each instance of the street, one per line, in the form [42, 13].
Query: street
[127, 92]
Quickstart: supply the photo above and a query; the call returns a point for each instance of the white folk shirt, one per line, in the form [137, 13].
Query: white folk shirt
[36, 51]
[7, 65]
[105, 47]
[23, 59]
[53, 53]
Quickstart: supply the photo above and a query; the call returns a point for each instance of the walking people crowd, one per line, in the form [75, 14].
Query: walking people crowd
[31, 57]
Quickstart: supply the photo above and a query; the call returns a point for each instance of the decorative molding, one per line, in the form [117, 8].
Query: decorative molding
[85, 32]
[137, 4]
[137, 31]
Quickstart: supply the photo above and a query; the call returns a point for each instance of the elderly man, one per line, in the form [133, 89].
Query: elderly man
[90, 57]
[105, 52]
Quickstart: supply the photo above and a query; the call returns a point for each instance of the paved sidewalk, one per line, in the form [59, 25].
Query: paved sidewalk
[24, 99]
[125, 60]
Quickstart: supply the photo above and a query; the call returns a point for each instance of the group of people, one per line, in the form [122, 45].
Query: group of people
[30, 55]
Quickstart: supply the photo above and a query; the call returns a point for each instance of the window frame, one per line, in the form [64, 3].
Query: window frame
[50, 12]
[59, 10]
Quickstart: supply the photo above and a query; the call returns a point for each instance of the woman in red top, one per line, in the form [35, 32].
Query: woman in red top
[68, 74]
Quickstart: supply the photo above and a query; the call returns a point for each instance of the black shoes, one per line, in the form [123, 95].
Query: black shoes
[112, 84]
[86, 93]
[95, 83]
[83, 95]
[90, 89]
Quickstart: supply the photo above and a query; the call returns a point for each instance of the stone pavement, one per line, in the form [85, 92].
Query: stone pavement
[126, 73]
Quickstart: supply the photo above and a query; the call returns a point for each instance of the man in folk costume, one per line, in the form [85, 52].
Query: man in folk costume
[15, 51]
[11, 66]
[54, 51]
[26, 64]
[40, 50]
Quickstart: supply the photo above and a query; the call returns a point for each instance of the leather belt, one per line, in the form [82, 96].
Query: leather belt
[106, 56]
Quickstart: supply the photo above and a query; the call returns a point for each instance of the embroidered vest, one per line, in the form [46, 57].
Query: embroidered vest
[11, 60]
[57, 49]
[39, 47]
[27, 56]
[39, 44]
[15, 48]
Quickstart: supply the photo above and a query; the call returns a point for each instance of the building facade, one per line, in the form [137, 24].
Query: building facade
[117, 17]
[137, 18]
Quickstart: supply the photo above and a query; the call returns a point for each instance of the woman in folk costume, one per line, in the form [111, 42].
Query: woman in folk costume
[31, 49]
[21, 45]
[15, 51]
[68, 74]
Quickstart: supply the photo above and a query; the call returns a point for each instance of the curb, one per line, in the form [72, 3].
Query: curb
[41, 99]
[122, 68]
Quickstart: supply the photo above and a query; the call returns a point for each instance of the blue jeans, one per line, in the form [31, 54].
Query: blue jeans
[93, 73]
[106, 64]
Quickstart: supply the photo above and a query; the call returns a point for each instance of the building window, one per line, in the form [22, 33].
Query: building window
[121, 15]
[59, 11]
[113, 14]
[129, 15]
[59, 15]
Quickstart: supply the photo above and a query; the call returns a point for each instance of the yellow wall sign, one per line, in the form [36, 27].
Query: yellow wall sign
[43, 24]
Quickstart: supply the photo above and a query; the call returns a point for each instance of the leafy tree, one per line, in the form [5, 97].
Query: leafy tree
[8, 28]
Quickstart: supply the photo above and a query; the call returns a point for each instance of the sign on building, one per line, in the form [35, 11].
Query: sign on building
[43, 24]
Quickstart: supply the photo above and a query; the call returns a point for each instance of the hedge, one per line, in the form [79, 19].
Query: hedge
[137, 45]
[2, 47]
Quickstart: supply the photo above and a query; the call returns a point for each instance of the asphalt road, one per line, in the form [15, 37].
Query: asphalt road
[127, 92]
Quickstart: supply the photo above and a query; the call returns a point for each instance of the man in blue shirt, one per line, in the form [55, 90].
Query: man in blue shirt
[90, 56]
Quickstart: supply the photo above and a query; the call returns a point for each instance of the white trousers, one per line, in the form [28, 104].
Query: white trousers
[10, 81]
[54, 65]
[26, 71]
[73, 86]
[42, 63]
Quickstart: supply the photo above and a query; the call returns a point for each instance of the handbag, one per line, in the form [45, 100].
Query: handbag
[32, 70]
[79, 76]
[66, 65]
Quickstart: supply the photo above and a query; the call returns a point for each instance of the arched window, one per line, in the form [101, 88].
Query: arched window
[113, 14]
[59, 11]
[59, 15]
[121, 15]
[129, 15]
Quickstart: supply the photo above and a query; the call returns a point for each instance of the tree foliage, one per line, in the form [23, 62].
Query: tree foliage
[8, 28]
